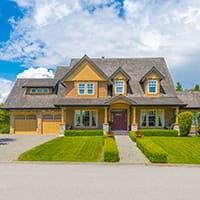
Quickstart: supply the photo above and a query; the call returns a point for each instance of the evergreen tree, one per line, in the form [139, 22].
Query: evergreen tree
[179, 87]
[197, 88]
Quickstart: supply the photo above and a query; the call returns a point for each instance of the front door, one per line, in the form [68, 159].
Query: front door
[119, 120]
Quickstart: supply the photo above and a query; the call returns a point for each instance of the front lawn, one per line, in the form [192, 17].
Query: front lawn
[179, 149]
[74, 149]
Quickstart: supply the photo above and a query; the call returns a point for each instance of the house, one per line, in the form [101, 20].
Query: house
[192, 99]
[96, 93]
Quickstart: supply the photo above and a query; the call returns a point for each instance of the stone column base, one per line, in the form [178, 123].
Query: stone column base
[176, 127]
[62, 130]
[134, 127]
[105, 128]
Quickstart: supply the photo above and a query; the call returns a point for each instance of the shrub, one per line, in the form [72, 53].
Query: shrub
[132, 135]
[198, 119]
[4, 121]
[83, 132]
[159, 132]
[185, 122]
[152, 151]
[111, 153]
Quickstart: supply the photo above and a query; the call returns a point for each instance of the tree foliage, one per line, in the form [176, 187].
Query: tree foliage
[179, 87]
[4, 120]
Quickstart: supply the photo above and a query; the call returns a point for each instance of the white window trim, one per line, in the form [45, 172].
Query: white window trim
[81, 119]
[86, 89]
[147, 120]
[116, 87]
[156, 86]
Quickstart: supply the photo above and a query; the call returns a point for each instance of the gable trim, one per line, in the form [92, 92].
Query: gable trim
[118, 71]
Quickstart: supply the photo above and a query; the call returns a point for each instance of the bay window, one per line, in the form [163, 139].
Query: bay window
[85, 118]
[152, 118]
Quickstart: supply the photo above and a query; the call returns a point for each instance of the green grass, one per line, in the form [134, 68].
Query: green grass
[74, 149]
[179, 149]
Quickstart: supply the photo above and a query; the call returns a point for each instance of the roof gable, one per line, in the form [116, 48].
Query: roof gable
[121, 72]
[154, 71]
[85, 69]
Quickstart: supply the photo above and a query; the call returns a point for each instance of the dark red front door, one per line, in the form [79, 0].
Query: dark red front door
[119, 120]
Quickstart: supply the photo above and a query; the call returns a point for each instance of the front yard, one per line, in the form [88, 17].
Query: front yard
[71, 148]
[185, 150]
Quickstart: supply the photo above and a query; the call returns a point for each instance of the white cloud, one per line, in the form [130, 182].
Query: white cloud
[5, 88]
[53, 31]
[39, 72]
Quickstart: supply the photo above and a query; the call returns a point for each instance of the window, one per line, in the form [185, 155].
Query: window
[31, 117]
[119, 87]
[85, 118]
[86, 89]
[152, 89]
[152, 118]
[39, 90]
[52, 117]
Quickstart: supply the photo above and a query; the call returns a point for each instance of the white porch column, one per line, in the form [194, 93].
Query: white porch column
[176, 126]
[134, 126]
[62, 125]
[105, 125]
[39, 123]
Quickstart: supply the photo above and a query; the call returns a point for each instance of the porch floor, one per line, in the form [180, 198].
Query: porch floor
[128, 151]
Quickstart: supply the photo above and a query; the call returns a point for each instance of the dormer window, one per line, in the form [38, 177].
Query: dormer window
[39, 90]
[152, 86]
[86, 88]
[119, 87]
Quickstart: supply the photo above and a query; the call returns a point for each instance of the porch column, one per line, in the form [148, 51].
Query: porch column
[12, 123]
[62, 125]
[134, 126]
[128, 118]
[39, 123]
[176, 126]
[106, 125]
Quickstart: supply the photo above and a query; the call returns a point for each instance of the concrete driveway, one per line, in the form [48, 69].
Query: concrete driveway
[11, 146]
[96, 182]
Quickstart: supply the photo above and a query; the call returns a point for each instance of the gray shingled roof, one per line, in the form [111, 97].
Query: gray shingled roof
[36, 82]
[191, 98]
[136, 68]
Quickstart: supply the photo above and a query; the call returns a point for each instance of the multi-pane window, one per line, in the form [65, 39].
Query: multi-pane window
[119, 87]
[86, 89]
[152, 118]
[152, 86]
[52, 117]
[85, 118]
[39, 90]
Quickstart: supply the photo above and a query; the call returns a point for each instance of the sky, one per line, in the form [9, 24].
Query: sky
[38, 35]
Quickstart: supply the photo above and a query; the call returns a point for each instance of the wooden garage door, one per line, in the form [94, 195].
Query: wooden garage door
[25, 124]
[51, 123]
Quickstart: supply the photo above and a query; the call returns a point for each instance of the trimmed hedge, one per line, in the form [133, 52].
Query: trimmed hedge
[111, 152]
[159, 132]
[152, 151]
[83, 133]
[132, 135]
[185, 123]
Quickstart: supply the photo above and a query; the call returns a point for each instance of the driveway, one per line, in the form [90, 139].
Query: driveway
[21, 181]
[11, 146]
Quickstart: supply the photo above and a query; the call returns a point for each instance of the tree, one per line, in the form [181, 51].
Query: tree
[179, 87]
[4, 121]
[197, 88]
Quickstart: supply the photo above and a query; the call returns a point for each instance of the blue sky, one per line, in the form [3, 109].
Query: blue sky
[46, 34]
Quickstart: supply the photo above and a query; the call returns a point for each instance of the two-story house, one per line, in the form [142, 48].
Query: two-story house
[99, 93]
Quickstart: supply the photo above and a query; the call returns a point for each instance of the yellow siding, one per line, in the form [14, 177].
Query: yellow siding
[85, 72]
[51, 127]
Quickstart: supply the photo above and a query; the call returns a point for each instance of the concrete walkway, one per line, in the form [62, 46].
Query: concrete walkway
[11, 146]
[128, 151]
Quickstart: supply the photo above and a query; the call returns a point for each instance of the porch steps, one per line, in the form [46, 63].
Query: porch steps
[120, 132]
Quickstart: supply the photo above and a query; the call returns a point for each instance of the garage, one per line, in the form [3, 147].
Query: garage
[25, 124]
[51, 123]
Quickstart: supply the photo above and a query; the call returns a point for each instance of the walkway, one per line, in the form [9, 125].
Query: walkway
[11, 146]
[128, 151]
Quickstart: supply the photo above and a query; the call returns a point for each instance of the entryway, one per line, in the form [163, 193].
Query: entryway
[119, 120]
